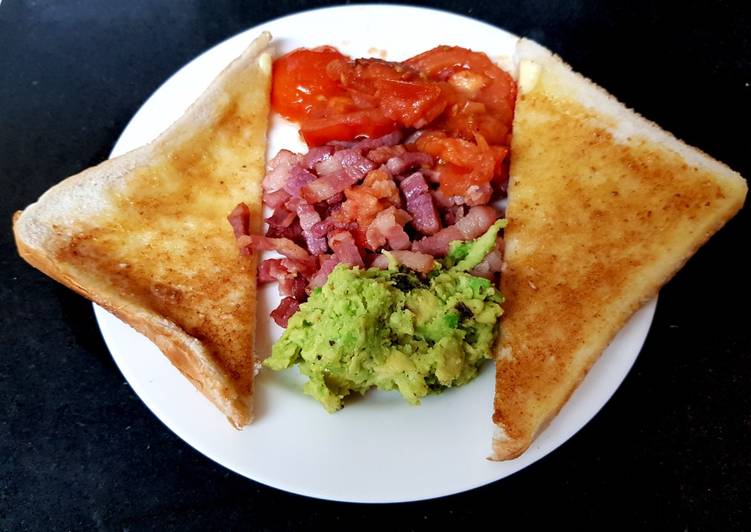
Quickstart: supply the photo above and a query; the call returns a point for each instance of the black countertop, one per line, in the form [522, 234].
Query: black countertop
[79, 450]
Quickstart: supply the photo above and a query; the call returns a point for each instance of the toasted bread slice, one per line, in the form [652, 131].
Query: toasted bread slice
[604, 207]
[146, 236]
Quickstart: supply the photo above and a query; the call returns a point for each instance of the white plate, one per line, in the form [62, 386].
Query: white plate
[379, 449]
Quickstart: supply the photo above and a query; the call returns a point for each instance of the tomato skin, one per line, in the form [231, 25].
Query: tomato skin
[364, 123]
[301, 84]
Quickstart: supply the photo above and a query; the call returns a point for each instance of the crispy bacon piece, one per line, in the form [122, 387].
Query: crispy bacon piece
[239, 219]
[329, 185]
[278, 168]
[345, 248]
[309, 217]
[419, 262]
[400, 164]
[276, 198]
[389, 139]
[420, 204]
[316, 155]
[284, 311]
[327, 266]
[472, 225]
[388, 227]
[283, 246]
[297, 178]
[281, 217]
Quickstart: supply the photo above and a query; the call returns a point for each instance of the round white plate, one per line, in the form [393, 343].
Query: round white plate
[378, 449]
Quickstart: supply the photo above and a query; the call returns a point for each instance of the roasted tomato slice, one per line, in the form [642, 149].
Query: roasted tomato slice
[369, 123]
[410, 103]
[301, 85]
[476, 79]
[461, 163]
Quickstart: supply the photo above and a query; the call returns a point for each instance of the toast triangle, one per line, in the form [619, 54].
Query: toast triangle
[145, 235]
[604, 207]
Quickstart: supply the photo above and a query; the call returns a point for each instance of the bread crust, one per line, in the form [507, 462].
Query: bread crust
[115, 233]
[604, 208]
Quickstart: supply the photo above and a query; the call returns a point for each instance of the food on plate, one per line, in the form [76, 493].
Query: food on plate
[604, 207]
[405, 161]
[145, 234]
[394, 329]
[404, 156]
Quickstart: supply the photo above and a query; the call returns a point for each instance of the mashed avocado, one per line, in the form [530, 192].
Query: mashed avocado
[394, 330]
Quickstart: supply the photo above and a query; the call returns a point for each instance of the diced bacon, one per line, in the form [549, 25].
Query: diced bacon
[492, 263]
[239, 219]
[438, 244]
[388, 226]
[389, 139]
[276, 198]
[478, 194]
[308, 218]
[281, 217]
[452, 215]
[316, 155]
[380, 185]
[414, 186]
[327, 266]
[402, 163]
[292, 203]
[323, 228]
[297, 178]
[327, 166]
[305, 267]
[277, 170]
[443, 201]
[272, 270]
[327, 186]
[295, 287]
[382, 154]
[283, 246]
[336, 199]
[424, 214]
[354, 163]
[472, 225]
[355, 199]
[292, 232]
[380, 261]
[291, 274]
[477, 221]
[420, 262]
[345, 248]
[284, 311]
[420, 204]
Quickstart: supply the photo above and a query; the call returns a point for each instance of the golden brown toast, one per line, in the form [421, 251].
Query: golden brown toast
[604, 207]
[145, 235]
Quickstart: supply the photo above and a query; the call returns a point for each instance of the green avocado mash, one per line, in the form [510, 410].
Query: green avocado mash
[394, 330]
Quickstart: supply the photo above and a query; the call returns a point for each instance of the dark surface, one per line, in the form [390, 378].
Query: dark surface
[79, 450]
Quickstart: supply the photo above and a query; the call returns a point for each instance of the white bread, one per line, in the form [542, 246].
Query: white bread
[145, 235]
[604, 208]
